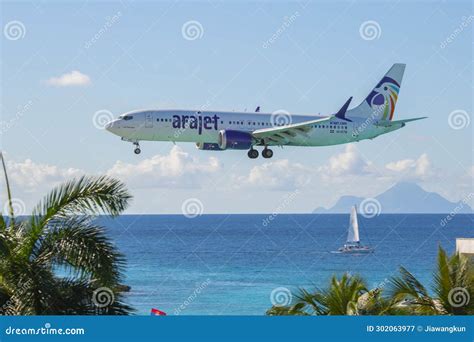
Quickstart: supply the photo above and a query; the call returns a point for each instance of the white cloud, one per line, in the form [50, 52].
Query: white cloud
[28, 176]
[176, 169]
[345, 173]
[276, 175]
[470, 172]
[30, 181]
[350, 162]
[418, 169]
[73, 78]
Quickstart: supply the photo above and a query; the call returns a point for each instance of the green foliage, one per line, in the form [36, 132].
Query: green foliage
[340, 298]
[61, 234]
[452, 288]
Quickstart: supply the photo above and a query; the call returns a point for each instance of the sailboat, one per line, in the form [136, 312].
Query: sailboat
[352, 244]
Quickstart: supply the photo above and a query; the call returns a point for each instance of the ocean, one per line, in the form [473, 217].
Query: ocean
[231, 264]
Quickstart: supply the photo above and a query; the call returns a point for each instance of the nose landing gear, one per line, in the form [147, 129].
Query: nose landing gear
[137, 148]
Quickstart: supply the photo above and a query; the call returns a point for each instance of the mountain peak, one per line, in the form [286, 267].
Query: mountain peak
[405, 186]
[403, 197]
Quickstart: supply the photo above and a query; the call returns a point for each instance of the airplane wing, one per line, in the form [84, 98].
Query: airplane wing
[280, 135]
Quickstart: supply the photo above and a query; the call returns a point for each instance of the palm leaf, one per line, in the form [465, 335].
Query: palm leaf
[84, 196]
[82, 248]
[453, 274]
[407, 287]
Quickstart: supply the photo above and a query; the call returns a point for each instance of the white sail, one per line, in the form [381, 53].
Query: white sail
[353, 234]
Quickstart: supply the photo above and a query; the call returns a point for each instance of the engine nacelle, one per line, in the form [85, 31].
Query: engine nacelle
[235, 140]
[208, 146]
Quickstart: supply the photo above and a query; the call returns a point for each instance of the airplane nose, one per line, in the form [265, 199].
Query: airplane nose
[111, 126]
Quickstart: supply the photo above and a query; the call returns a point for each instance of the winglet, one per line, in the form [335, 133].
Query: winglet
[341, 114]
[257, 109]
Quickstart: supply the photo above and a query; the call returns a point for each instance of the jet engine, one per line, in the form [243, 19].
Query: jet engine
[235, 140]
[208, 146]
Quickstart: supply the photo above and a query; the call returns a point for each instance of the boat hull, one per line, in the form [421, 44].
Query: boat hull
[354, 250]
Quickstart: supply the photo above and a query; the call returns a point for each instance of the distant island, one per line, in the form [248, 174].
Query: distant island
[404, 197]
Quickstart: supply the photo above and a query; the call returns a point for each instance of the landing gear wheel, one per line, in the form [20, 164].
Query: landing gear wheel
[252, 153]
[137, 148]
[267, 153]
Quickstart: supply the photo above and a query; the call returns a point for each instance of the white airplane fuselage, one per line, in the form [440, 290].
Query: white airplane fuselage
[204, 127]
[220, 130]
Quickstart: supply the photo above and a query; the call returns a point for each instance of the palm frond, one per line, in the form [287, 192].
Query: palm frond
[83, 196]
[407, 287]
[82, 248]
[453, 274]
[61, 235]
[87, 195]
[297, 309]
[77, 298]
[311, 302]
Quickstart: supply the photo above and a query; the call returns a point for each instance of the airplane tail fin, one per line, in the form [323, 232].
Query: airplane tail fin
[380, 103]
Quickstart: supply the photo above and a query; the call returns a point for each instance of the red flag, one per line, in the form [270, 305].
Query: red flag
[156, 312]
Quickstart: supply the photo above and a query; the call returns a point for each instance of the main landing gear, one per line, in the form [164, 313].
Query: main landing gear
[137, 148]
[252, 153]
[266, 153]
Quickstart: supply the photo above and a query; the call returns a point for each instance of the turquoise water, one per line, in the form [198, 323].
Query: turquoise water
[229, 264]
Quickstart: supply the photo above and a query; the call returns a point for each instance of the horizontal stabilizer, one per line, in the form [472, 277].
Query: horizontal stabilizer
[387, 123]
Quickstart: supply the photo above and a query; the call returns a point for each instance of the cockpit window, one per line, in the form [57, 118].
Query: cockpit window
[127, 117]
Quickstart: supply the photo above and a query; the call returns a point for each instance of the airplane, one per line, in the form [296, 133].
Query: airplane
[220, 130]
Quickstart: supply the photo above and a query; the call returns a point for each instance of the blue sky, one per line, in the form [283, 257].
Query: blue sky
[133, 55]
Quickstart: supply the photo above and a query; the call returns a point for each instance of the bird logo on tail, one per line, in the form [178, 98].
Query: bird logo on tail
[384, 97]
